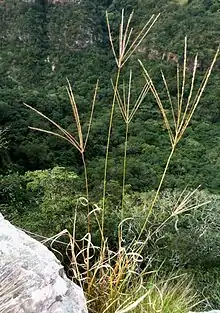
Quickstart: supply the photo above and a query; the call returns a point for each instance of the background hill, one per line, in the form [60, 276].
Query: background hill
[42, 44]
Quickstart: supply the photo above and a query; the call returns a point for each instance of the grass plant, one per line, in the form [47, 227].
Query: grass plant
[127, 47]
[116, 282]
[11, 280]
[77, 141]
[128, 112]
[120, 280]
[182, 110]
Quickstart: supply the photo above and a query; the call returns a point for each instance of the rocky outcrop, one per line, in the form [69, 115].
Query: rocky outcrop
[32, 280]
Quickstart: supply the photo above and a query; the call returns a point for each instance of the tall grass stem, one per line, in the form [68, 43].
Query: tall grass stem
[124, 170]
[108, 146]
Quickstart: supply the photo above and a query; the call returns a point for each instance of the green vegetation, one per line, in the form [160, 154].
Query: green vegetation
[36, 58]
[113, 181]
[182, 2]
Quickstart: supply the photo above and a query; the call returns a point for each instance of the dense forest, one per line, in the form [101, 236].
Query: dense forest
[44, 44]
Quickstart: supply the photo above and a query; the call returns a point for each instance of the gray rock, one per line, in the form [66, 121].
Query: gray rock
[32, 280]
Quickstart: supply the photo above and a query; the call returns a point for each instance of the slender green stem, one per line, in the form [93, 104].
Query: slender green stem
[124, 170]
[158, 191]
[107, 147]
[87, 191]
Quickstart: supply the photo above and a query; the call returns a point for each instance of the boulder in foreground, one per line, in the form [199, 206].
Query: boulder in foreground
[32, 280]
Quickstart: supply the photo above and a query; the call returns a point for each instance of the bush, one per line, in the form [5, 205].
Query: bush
[42, 201]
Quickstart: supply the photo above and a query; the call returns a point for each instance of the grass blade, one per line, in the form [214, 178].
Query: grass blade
[156, 95]
[111, 39]
[75, 114]
[91, 114]
[67, 134]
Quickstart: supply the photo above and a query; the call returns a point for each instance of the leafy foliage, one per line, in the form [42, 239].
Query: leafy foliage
[36, 58]
[42, 201]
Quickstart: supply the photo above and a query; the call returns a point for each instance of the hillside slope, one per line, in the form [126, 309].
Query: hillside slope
[44, 43]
